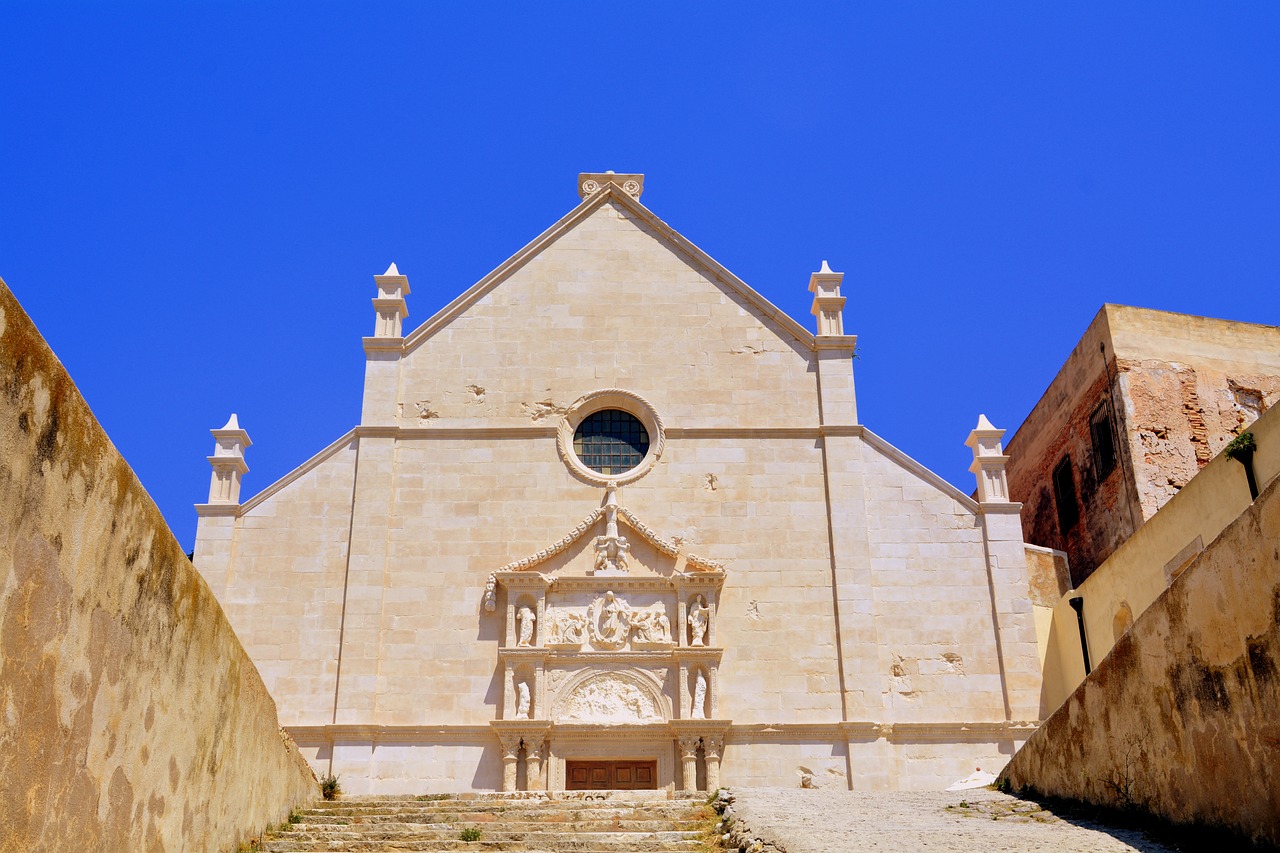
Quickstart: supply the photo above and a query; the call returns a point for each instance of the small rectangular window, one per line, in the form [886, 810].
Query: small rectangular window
[1104, 442]
[1064, 494]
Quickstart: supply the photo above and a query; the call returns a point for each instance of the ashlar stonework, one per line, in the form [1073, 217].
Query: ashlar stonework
[611, 512]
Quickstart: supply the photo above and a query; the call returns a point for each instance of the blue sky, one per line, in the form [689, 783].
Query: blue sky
[197, 195]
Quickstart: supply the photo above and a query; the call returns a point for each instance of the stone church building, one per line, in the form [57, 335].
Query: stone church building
[610, 520]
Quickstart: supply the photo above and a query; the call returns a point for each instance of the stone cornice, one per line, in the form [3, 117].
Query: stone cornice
[847, 343]
[930, 732]
[383, 344]
[219, 510]
[298, 472]
[919, 470]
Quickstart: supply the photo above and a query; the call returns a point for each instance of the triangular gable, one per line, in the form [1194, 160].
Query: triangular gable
[691, 562]
[783, 323]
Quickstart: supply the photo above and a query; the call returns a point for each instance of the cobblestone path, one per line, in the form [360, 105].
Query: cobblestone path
[977, 821]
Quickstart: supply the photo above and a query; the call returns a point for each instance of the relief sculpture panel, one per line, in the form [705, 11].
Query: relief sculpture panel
[610, 697]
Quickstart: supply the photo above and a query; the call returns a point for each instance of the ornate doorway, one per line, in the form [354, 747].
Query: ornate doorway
[611, 775]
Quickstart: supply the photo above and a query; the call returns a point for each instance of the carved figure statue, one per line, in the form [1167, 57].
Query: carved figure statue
[700, 696]
[616, 624]
[525, 616]
[699, 615]
[522, 700]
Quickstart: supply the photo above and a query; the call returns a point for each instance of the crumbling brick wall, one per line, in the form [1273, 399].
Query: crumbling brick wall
[1182, 416]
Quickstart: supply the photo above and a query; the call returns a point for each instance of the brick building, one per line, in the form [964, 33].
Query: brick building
[1144, 401]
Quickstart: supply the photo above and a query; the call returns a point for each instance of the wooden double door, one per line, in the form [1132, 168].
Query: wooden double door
[611, 775]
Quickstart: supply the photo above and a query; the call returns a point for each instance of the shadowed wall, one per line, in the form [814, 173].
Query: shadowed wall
[1180, 718]
[131, 718]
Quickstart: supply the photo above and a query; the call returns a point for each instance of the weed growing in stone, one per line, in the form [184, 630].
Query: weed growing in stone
[470, 833]
[330, 788]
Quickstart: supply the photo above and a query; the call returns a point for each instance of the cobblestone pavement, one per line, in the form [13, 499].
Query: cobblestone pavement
[831, 821]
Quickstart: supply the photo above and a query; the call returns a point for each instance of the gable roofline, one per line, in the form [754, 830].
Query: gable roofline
[585, 208]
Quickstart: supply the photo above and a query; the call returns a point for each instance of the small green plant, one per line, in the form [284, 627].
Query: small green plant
[470, 833]
[1241, 446]
[330, 788]
[295, 816]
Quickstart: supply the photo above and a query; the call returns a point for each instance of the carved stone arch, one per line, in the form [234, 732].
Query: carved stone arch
[626, 695]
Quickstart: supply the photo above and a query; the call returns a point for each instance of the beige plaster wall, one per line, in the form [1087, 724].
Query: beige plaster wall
[134, 720]
[1140, 570]
[1179, 720]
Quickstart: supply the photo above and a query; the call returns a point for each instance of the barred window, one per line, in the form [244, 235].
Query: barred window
[611, 441]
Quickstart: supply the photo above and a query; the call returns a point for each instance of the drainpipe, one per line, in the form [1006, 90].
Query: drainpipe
[1077, 604]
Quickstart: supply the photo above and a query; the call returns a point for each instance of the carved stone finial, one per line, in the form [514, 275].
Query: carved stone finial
[389, 305]
[989, 462]
[590, 183]
[828, 304]
[228, 462]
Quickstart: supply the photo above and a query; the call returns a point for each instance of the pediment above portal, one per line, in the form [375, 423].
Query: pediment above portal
[610, 546]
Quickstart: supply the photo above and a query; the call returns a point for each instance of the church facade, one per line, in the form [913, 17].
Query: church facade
[610, 520]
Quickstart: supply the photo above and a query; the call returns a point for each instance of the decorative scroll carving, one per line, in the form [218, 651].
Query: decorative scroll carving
[699, 616]
[563, 543]
[610, 698]
[666, 546]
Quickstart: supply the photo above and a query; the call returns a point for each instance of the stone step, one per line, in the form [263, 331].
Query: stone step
[451, 833]
[579, 844]
[392, 823]
[609, 822]
[543, 813]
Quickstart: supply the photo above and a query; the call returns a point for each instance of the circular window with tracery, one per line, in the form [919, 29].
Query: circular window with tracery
[610, 435]
[611, 441]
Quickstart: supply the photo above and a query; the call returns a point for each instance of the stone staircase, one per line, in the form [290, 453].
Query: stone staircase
[559, 822]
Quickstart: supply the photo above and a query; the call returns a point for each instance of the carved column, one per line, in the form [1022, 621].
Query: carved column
[712, 747]
[689, 759]
[510, 762]
[535, 758]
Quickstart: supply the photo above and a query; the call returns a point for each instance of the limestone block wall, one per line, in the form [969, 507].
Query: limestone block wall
[134, 720]
[1179, 719]
[288, 614]
[608, 304]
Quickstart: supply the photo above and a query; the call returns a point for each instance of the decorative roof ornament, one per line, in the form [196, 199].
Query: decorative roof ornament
[590, 183]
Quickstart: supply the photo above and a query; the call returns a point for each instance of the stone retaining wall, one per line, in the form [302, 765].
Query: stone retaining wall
[131, 718]
[1180, 719]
